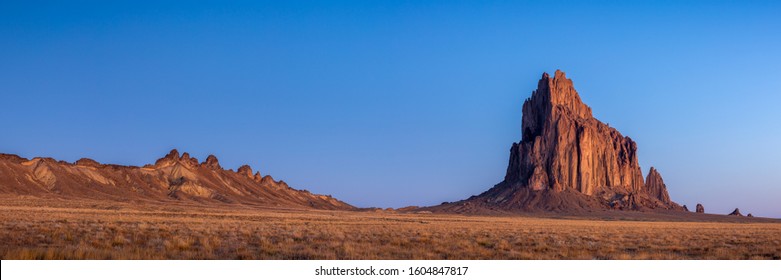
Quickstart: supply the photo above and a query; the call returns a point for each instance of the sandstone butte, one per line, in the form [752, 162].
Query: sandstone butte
[173, 178]
[567, 160]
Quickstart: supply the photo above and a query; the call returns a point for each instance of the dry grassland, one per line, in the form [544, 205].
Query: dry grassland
[96, 231]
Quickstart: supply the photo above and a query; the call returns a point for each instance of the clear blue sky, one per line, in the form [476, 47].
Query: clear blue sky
[396, 103]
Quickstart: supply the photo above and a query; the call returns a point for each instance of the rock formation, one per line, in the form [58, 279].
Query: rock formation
[564, 147]
[569, 160]
[212, 162]
[245, 170]
[171, 178]
[700, 208]
[750, 215]
[655, 186]
[686, 208]
[735, 212]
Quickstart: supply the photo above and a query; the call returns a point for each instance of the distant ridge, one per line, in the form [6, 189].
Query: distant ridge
[170, 178]
[568, 161]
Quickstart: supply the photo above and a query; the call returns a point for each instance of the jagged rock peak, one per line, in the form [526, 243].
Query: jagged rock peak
[655, 187]
[555, 92]
[267, 180]
[736, 212]
[257, 177]
[172, 156]
[212, 162]
[245, 170]
[567, 160]
[564, 147]
[189, 160]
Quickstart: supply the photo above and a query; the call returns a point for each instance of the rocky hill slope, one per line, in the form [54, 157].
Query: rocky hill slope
[171, 178]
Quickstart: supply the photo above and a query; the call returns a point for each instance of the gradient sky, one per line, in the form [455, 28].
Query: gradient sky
[396, 103]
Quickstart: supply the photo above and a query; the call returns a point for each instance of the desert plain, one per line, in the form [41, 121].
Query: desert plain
[34, 228]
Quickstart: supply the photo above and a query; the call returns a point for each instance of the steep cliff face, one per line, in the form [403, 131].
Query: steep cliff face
[171, 178]
[564, 147]
[567, 159]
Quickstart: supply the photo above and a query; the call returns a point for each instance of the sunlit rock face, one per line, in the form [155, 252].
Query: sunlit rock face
[567, 159]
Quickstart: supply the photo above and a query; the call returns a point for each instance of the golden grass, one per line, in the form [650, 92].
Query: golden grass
[89, 232]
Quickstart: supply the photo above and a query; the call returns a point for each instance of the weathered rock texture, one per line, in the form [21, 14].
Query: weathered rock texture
[171, 178]
[700, 208]
[567, 159]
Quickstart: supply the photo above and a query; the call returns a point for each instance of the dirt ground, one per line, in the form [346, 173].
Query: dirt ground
[60, 229]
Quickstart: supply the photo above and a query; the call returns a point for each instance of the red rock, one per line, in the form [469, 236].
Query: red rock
[655, 187]
[563, 146]
[211, 162]
[567, 159]
[267, 180]
[172, 156]
[245, 170]
[172, 177]
[700, 208]
[257, 177]
[191, 161]
[735, 212]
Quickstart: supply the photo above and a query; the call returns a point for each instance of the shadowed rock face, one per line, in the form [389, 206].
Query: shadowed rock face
[700, 208]
[567, 159]
[171, 178]
[736, 212]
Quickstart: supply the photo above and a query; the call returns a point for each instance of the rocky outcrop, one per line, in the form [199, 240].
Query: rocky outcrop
[212, 162]
[563, 146]
[190, 161]
[686, 208]
[655, 187]
[569, 158]
[87, 162]
[266, 180]
[735, 212]
[172, 177]
[169, 158]
[750, 215]
[700, 208]
[245, 170]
